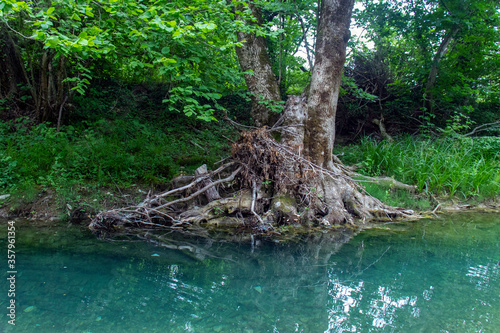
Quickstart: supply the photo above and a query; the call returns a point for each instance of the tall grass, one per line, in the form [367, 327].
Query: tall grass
[459, 166]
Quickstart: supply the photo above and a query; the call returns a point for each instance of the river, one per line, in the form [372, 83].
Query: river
[430, 275]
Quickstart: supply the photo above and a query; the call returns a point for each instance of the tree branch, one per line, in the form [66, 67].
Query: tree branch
[195, 194]
[484, 127]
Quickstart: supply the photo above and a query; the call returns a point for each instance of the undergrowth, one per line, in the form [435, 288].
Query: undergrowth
[460, 167]
[105, 153]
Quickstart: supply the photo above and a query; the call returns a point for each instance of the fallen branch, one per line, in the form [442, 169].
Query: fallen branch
[484, 127]
[387, 181]
[195, 194]
[149, 201]
[145, 213]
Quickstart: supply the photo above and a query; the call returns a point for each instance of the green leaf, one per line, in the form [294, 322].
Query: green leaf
[75, 17]
[88, 12]
[50, 10]
[167, 61]
[53, 41]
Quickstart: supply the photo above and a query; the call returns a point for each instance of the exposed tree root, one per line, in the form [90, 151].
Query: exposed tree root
[270, 185]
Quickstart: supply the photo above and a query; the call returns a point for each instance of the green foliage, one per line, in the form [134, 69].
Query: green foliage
[398, 197]
[294, 24]
[407, 36]
[274, 106]
[186, 45]
[469, 167]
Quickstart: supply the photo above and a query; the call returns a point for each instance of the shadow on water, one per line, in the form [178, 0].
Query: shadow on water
[425, 276]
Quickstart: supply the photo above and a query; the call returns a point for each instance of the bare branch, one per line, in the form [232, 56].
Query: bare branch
[195, 194]
[484, 127]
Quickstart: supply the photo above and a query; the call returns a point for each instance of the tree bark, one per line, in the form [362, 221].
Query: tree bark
[262, 83]
[331, 43]
[431, 79]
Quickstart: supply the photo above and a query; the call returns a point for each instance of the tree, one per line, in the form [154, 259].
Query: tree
[440, 56]
[295, 181]
[61, 45]
[260, 79]
[330, 194]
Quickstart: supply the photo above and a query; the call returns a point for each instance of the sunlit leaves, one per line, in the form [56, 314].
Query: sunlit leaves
[186, 44]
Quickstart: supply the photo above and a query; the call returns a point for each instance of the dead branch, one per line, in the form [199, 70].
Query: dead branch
[388, 181]
[145, 213]
[484, 127]
[148, 201]
[195, 194]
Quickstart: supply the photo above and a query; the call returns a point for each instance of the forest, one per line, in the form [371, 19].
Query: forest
[333, 110]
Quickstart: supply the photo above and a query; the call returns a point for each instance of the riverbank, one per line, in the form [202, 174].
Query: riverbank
[112, 164]
[46, 204]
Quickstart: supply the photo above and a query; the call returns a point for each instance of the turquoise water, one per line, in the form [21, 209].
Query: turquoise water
[437, 275]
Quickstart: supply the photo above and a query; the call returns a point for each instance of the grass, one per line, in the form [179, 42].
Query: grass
[460, 167]
[93, 156]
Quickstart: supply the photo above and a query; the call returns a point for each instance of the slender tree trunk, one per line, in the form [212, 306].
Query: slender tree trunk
[262, 83]
[13, 74]
[431, 79]
[43, 107]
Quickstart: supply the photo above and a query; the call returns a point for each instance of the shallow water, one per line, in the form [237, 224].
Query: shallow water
[424, 276]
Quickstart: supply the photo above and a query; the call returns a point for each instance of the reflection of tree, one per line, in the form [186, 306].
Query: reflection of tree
[360, 307]
[236, 286]
[398, 280]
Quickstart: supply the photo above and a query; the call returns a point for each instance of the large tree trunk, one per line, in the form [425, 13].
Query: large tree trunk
[331, 42]
[332, 196]
[262, 83]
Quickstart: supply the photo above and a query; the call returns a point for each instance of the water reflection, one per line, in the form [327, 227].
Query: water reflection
[439, 276]
[482, 276]
[425, 283]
